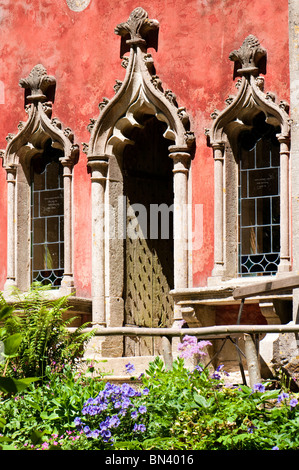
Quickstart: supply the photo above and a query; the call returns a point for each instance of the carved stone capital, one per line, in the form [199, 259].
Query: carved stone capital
[38, 82]
[248, 56]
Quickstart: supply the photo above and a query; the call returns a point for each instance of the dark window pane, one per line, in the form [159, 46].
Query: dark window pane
[263, 211]
[52, 229]
[38, 230]
[276, 238]
[248, 241]
[263, 182]
[248, 212]
[51, 203]
[275, 210]
[263, 239]
[38, 257]
[53, 181]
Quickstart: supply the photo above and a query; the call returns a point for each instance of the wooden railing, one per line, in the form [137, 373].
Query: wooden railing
[233, 332]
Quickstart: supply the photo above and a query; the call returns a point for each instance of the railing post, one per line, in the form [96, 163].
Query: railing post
[167, 351]
[252, 360]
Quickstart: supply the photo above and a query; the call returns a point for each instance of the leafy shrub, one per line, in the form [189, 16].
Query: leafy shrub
[177, 409]
[43, 331]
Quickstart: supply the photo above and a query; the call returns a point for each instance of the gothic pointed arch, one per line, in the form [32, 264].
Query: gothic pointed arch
[140, 98]
[246, 112]
[40, 139]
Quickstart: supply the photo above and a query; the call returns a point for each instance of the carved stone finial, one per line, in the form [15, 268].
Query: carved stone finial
[38, 82]
[136, 29]
[248, 56]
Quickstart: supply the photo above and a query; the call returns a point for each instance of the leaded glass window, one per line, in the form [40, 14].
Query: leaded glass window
[259, 200]
[47, 218]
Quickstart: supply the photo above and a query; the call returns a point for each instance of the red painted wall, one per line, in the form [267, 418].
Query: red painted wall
[81, 50]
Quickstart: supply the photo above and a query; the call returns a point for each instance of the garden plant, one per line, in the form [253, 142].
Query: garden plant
[60, 407]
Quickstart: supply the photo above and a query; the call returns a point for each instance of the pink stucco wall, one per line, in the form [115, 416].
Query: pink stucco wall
[81, 50]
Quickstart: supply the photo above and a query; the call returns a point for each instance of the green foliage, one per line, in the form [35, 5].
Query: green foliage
[36, 334]
[31, 417]
[185, 410]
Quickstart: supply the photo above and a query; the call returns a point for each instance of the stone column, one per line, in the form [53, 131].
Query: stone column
[98, 166]
[284, 265]
[181, 162]
[67, 283]
[11, 229]
[294, 156]
[218, 269]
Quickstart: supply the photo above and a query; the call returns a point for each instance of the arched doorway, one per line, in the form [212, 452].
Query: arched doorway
[148, 246]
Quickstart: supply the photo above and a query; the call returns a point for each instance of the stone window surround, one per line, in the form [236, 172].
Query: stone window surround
[140, 93]
[21, 147]
[237, 116]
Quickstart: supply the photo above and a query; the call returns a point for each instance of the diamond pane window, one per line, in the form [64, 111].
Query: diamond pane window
[259, 200]
[47, 215]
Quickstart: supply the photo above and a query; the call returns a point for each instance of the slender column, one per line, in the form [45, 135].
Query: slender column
[294, 158]
[181, 161]
[68, 280]
[11, 229]
[284, 265]
[98, 168]
[218, 210]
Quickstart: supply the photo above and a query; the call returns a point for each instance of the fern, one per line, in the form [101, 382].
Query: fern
[44, 330]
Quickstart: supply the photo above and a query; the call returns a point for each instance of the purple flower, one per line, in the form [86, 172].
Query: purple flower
[191, 346]
[130, 368]
[142, 409]
[282, 396]
[275, 448]
[139, 428]
[78, 422]
[259, 388]
[114, 421]
[134, 415]
[293, 402]
[145, 391]
[87, 431]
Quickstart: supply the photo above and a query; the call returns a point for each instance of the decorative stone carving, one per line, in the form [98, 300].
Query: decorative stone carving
[29, 142]
[38, 81]
[137, 27]
[237, 116]
[248, 56]
[140, 95]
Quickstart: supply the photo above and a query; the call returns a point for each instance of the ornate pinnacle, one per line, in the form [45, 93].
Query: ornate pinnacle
[38, 82]
[248, 56]
[137, 28]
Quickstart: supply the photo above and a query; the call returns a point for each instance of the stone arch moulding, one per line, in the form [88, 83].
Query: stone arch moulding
[28, 142]
[250, 100]
[141, 93]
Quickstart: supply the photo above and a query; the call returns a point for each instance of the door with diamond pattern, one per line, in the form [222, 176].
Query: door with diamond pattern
[148, 277]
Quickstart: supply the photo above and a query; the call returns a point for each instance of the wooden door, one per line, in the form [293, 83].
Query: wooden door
[148, 277]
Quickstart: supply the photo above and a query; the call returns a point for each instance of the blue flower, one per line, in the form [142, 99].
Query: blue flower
[142, 409]
[293, 402]
[282, 396]
[114, 421]
[139, 428]
[275, 448]
[78, 422]
[258, 388]
[87, 431]
[145, 391]
[134, 414]
[130, 368]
